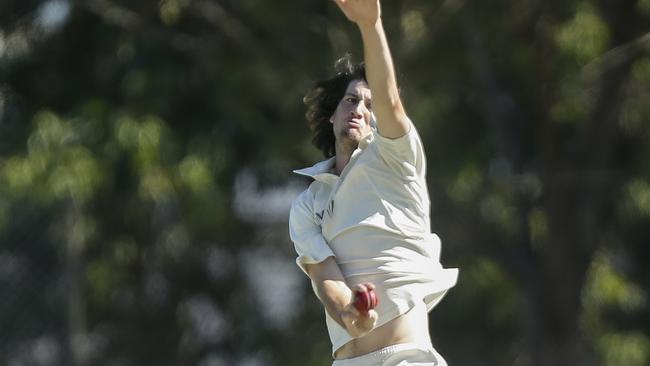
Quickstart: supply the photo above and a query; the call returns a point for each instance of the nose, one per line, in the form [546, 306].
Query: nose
[359, 110]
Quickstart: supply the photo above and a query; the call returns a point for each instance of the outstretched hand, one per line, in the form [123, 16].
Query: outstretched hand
[359, 323]
[362, 12]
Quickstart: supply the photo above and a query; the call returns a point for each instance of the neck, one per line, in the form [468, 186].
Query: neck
[343, 154]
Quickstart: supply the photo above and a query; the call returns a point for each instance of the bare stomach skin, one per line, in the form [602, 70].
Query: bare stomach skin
[409, 327]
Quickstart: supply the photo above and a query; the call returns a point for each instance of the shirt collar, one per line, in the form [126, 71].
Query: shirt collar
[319, 171]
[369, 138]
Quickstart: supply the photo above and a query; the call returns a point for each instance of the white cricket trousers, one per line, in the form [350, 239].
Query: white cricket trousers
[405, 354]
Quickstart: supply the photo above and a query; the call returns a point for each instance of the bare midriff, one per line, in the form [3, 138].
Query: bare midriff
[406, 328]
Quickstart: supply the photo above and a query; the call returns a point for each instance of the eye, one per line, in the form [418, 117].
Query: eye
[368, 104]
[351, 99]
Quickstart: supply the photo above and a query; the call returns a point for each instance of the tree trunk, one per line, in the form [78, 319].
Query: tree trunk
[77, 327]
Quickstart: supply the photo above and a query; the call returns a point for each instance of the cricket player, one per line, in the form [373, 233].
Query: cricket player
[363, 224]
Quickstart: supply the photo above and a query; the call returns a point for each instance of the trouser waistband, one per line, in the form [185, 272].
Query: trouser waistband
[379, 355]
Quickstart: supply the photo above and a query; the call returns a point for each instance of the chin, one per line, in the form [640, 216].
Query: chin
[354, 135]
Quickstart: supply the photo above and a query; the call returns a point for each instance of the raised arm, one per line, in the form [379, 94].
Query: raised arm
[392, 121]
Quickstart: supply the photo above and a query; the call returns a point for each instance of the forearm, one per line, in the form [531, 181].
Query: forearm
[380, 73]
[335, 297]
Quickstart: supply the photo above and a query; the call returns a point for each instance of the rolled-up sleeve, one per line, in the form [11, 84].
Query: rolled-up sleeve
[306, 234]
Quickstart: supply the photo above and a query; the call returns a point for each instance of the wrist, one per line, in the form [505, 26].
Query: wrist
[348, 320]
[369, 24]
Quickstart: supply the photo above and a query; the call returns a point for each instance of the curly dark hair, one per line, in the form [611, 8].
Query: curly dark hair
[323, 98]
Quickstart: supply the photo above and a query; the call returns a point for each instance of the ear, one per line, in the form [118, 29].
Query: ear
[332, 119]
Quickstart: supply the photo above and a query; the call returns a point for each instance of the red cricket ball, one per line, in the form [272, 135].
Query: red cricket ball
[365, 301]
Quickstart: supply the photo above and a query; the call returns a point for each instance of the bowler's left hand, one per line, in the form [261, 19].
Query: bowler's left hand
[362, 12]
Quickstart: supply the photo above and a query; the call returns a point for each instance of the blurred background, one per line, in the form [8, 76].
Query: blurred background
[145, 156]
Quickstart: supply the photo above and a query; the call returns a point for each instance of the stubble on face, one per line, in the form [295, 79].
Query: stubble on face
[352, 116]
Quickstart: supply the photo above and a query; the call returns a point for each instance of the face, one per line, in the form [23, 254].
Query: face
[351, 119]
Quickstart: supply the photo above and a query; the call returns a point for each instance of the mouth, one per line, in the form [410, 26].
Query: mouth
[354, 123]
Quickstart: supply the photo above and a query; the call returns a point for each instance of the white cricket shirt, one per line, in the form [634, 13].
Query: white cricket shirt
[374, 220]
